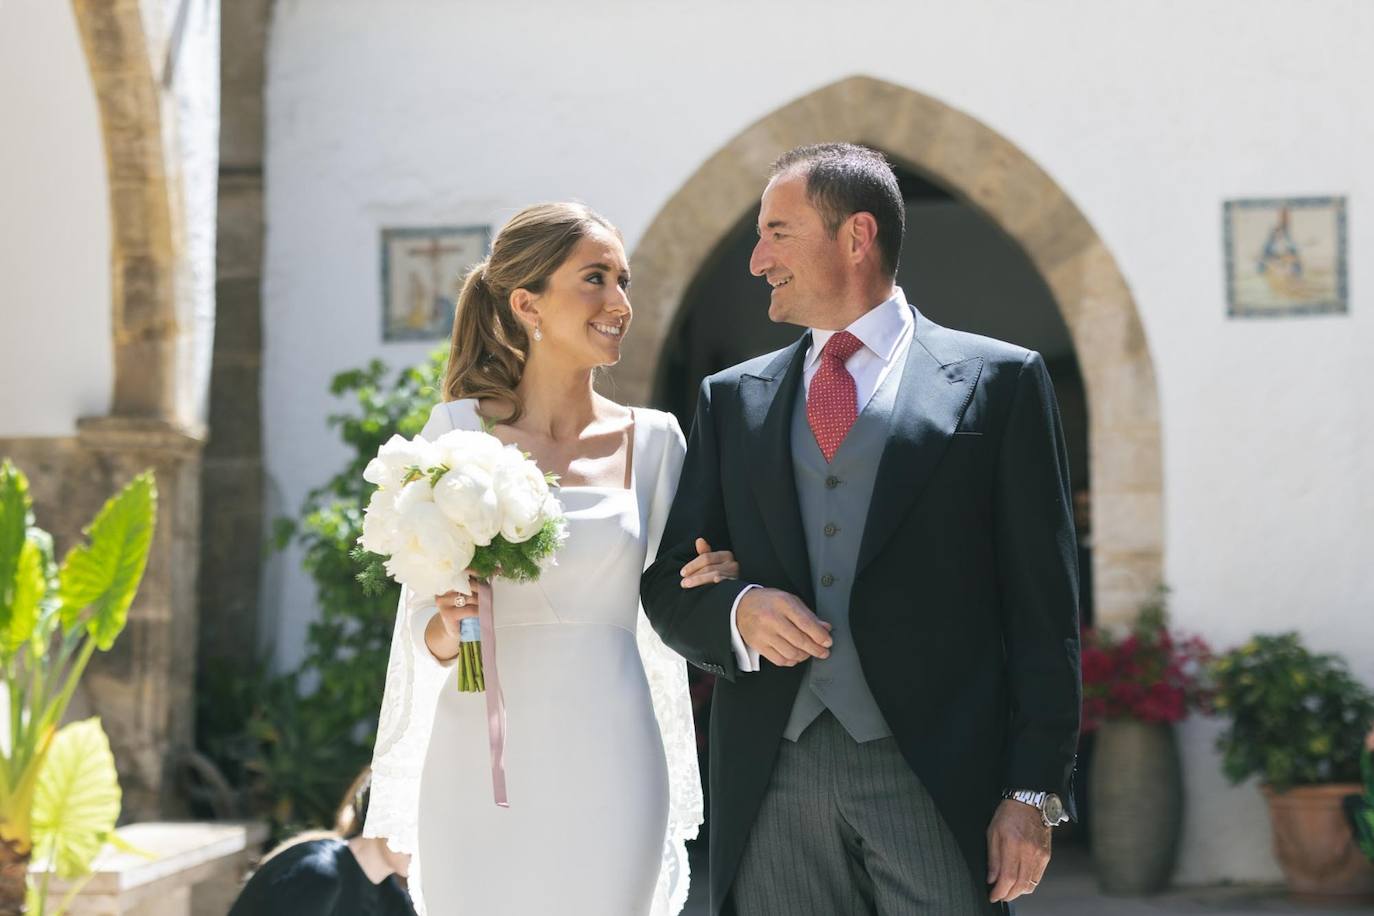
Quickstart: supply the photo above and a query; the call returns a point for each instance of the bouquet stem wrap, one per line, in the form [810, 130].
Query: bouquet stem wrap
[471, 677]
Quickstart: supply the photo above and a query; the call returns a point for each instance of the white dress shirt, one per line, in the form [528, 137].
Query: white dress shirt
[885, 332]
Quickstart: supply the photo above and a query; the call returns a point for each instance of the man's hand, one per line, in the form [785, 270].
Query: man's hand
[1018, 850]
[782, 629]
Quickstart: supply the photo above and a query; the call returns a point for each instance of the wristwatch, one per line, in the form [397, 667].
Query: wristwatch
[1051, 809]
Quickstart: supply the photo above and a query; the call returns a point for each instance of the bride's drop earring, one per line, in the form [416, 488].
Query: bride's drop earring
[538, 334]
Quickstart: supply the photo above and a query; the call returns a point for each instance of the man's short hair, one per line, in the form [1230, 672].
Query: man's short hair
[843, 179]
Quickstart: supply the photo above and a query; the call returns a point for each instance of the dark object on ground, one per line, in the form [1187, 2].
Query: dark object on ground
[319, 878]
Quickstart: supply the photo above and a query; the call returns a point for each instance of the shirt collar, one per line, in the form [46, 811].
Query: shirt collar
[879, 329]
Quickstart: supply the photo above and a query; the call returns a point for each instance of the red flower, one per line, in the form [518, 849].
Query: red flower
[1151, 675]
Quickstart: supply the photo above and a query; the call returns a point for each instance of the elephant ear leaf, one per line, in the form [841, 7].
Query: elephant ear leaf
[104, 574]
[29, 587]
[15, 509]
[76, 801]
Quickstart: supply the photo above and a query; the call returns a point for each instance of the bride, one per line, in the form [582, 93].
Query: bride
[600, 756]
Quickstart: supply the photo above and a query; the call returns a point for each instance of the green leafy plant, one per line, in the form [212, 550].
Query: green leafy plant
[1296, 717]
[1360, 807]
[52, 620]
[296, 740]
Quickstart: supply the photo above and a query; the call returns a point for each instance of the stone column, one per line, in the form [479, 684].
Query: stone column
[232, 478]
[142, 687]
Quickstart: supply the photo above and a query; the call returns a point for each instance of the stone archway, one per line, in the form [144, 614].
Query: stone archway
[979, 165]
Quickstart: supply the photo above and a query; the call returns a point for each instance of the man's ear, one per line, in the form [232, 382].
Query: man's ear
[861, 235]
[525, 305]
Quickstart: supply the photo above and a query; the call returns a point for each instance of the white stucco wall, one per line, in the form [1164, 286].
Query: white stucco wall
[191, 138]
[1149, 114]
[55, 358]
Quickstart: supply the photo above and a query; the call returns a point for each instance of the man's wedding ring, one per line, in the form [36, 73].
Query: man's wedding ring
[462, 601]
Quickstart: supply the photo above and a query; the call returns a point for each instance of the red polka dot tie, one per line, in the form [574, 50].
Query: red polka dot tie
[832, 404]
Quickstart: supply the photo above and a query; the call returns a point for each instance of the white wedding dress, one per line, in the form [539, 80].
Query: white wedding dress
[601, 761]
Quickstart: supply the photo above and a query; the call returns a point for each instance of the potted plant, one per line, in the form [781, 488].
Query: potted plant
[1297, 721]
[1135, 688]
[59, 796]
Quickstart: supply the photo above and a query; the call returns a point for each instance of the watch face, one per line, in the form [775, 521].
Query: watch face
[1054, 809]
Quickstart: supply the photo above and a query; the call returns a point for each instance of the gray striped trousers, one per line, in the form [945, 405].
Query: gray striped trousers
[847, 828]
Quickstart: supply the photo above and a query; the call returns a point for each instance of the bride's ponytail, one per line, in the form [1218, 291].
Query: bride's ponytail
[486, 356]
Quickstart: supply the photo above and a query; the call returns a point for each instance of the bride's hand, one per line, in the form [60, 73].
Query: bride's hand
[454, 606]
[709, 566]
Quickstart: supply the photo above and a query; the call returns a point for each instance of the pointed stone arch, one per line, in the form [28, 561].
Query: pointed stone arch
[983, 168]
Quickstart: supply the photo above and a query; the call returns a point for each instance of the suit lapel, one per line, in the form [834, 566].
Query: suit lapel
[931, 400]
[768, 400]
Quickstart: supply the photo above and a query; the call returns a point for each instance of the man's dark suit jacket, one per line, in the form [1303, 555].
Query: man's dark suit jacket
[964, 605]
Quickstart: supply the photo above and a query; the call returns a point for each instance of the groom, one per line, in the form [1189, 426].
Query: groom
[897, 702]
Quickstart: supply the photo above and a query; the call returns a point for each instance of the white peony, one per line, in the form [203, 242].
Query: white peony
[430, 551]
[417, 491]
[426, 575]
[380, 522]
[466, 497]
[522, 491]
[395, 456]
[425, 530]
[468, 448]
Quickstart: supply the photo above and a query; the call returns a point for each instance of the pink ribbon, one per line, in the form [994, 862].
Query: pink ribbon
[496, 703]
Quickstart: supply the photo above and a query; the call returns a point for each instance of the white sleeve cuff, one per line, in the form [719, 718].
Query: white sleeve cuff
[746, 659]
[421, 611]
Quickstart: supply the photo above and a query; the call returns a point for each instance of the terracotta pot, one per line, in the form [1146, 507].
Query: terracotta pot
[1313, 843]
[1135, 804]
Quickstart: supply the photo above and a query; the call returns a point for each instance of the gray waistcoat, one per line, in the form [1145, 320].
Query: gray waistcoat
[834, 501]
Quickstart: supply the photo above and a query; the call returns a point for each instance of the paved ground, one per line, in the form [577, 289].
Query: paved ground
[1070, 890]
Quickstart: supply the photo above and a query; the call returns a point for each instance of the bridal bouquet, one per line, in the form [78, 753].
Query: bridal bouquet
[463, 504]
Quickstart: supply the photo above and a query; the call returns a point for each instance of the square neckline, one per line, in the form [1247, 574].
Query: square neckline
[633, 459]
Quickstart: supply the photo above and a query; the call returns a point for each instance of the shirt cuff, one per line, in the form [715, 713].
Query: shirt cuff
[746, 659]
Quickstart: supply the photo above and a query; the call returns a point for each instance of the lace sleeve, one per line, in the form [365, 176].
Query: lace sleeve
[413, 681]
[667, 675]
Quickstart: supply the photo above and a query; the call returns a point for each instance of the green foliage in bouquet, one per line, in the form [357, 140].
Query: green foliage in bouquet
[59, 795]
[1297, 717]
[294, 742]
